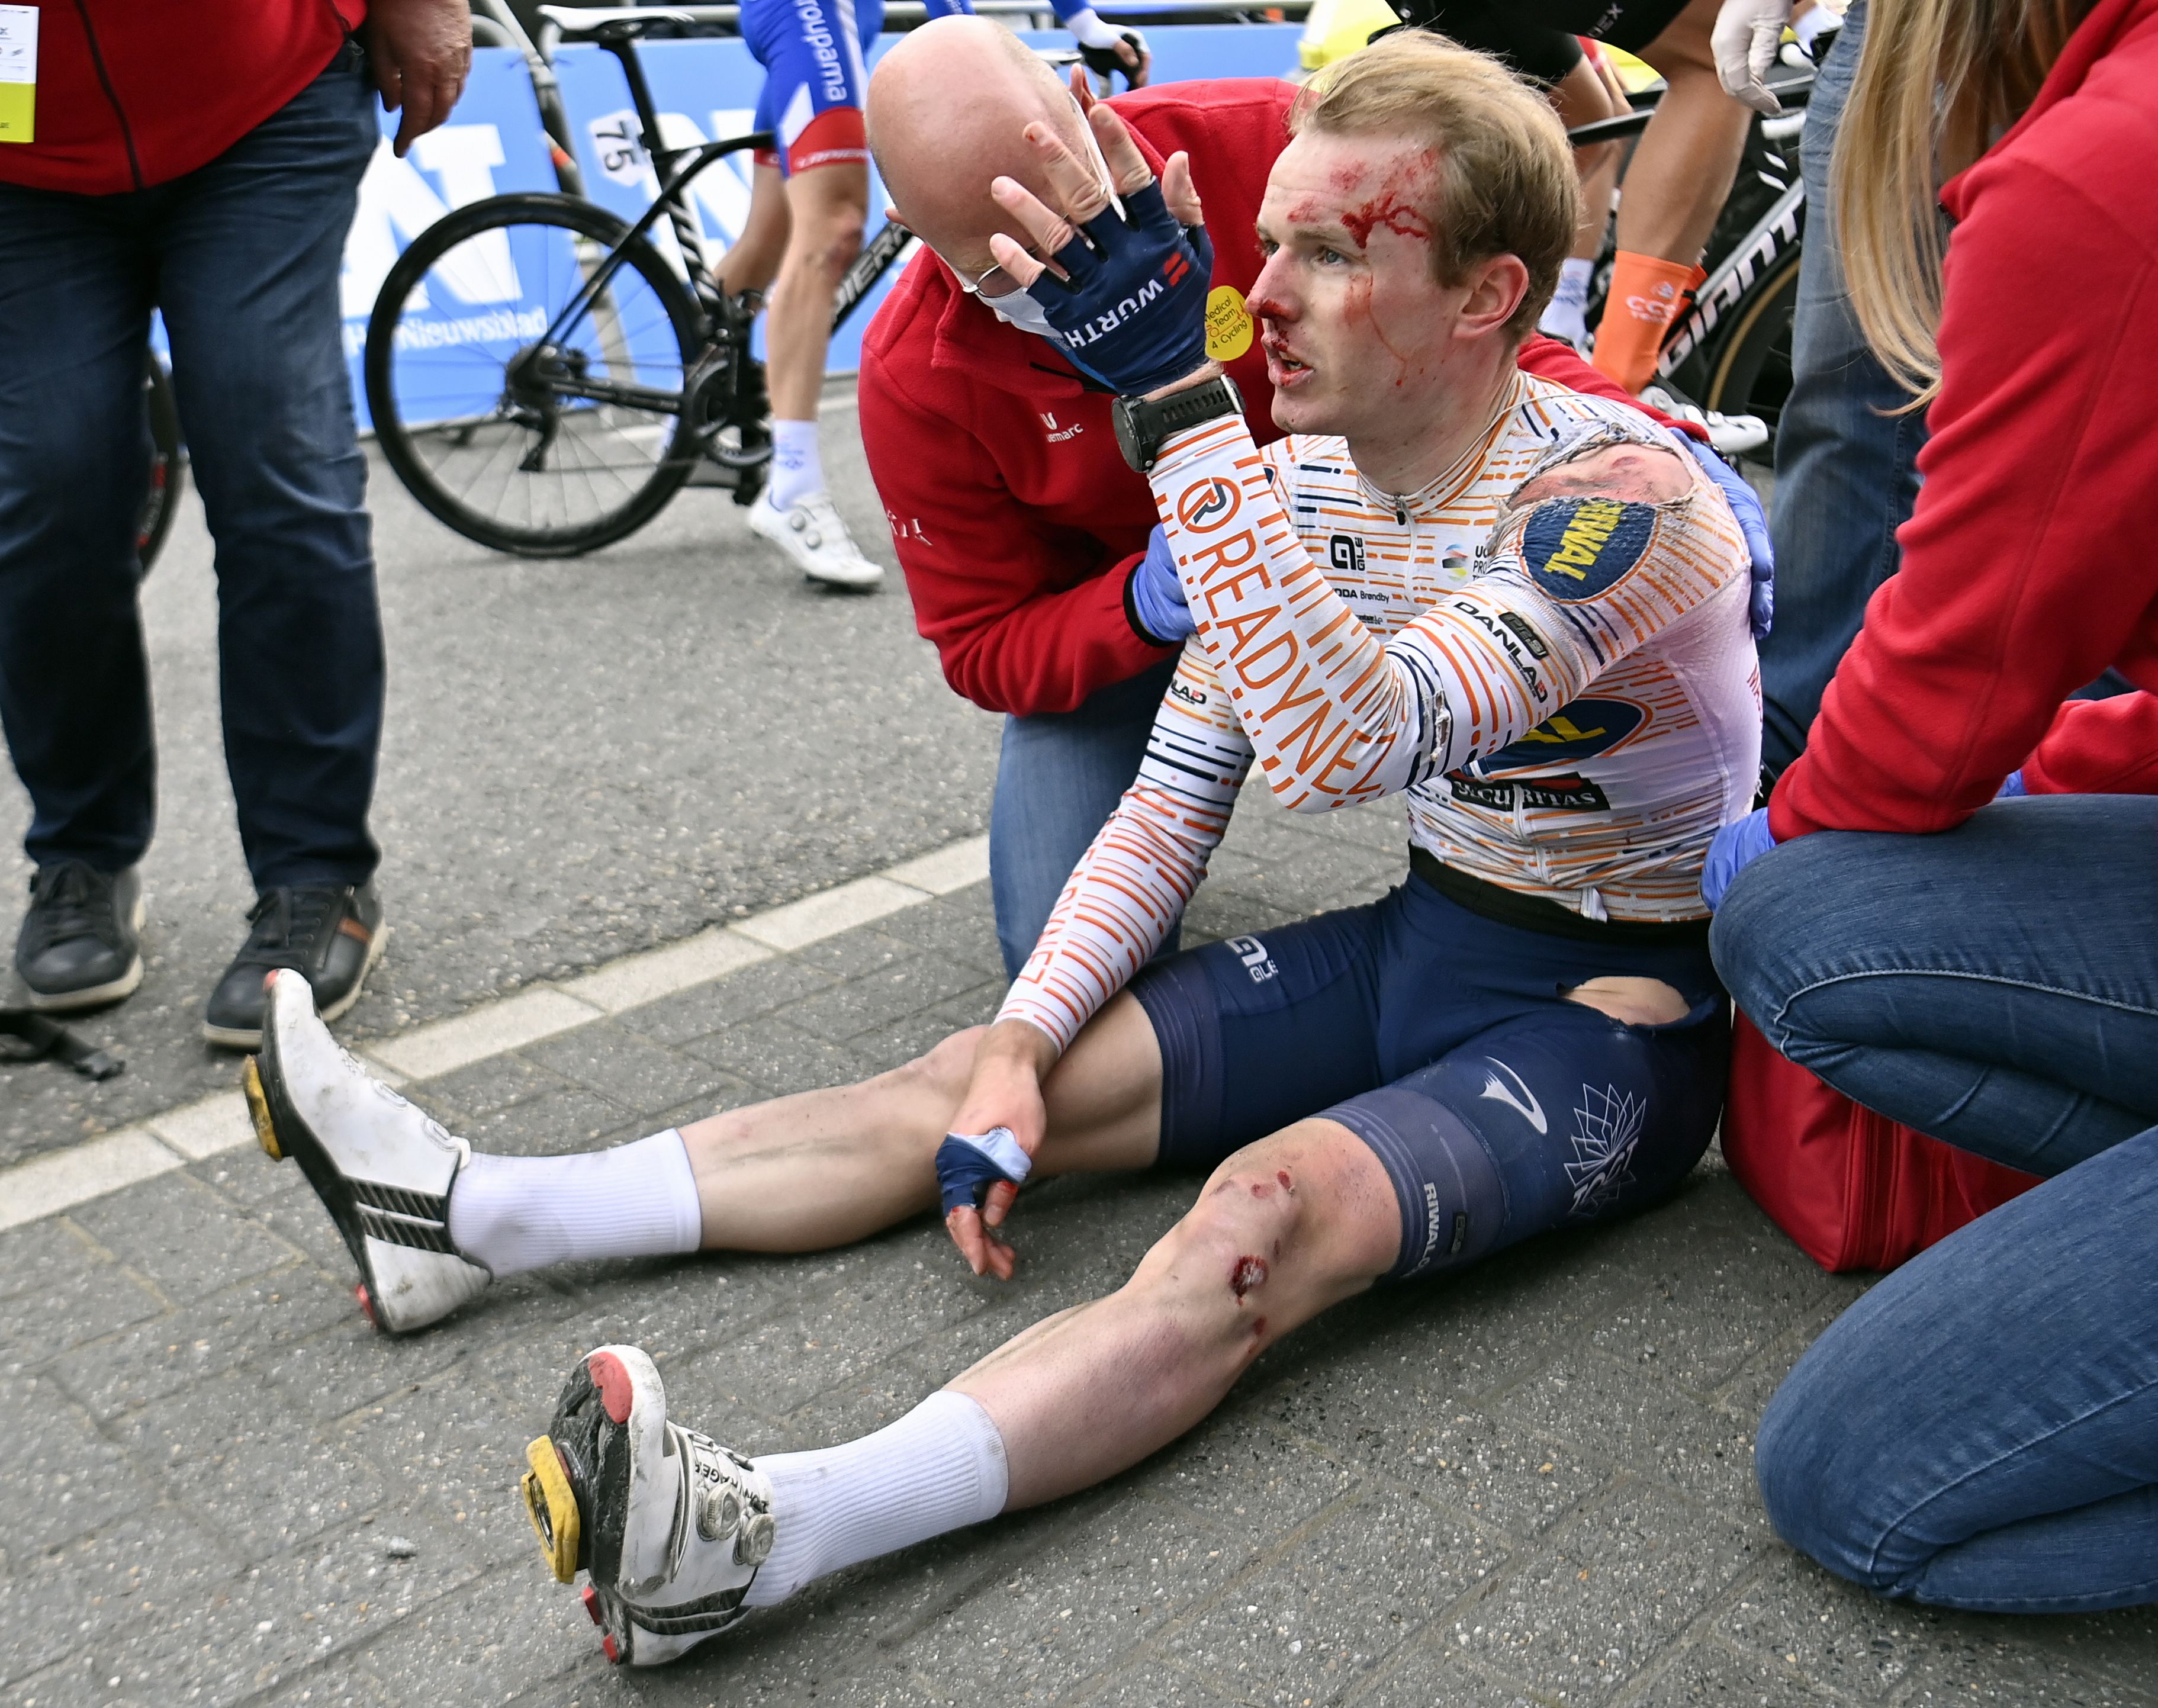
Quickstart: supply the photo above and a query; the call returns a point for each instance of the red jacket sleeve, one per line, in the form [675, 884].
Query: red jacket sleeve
[975, 559]
[2024, 573]
[2099, 747]
[1548, 358]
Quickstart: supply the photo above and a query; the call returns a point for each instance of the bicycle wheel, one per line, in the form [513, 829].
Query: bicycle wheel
[543, 450]
[1747, 371]
[168, 476]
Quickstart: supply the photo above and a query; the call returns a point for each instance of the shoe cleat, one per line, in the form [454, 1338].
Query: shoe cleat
[671, 1526]
[811, 533]
[383, 1169]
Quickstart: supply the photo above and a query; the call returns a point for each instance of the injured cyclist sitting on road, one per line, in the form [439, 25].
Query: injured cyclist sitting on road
[1520, 607]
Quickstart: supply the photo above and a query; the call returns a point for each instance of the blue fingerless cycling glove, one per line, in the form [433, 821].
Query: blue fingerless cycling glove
[1153, 597]
[967, 1164]
[1736, 846]
[1132, 311]
[1752, 523]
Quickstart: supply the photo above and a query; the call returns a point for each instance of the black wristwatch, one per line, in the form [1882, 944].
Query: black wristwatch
[1141, 426]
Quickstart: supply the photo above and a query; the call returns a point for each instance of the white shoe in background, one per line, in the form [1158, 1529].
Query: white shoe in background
[811, 533]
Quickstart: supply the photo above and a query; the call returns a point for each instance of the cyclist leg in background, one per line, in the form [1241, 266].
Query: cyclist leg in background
[1675, 185]
[1682, 168]
[808, 203]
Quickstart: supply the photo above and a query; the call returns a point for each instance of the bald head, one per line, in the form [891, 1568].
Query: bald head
[948, 107]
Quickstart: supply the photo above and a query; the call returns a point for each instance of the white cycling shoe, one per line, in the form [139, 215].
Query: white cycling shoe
[671, 1526]
[811, 533]
[383, 1169]
[1728, 435]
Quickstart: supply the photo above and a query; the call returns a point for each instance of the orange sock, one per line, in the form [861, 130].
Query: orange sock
[1646, 295]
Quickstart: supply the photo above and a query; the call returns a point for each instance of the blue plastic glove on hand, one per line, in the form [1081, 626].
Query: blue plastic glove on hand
[1157, 595]
[1736, 846]
[967, 1164]
[1132, 311]
[1752, 523]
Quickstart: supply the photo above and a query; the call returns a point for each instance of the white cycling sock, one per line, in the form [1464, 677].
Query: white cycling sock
[796, 470]
[940, 1468]
[512, 1214]
[1563, 315]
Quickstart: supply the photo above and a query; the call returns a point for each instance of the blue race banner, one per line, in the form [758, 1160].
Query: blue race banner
[478, 309]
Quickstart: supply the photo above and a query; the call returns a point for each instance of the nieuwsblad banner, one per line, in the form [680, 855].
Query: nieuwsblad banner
[467, 318]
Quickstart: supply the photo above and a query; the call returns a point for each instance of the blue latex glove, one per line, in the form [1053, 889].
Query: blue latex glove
[1132, 311]
[967, 1164]
[1157, 595]
[2011, 786]
[1752, 523]
[1736, 846]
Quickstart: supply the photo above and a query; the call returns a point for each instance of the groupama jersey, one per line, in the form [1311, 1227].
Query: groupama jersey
[1566, 691]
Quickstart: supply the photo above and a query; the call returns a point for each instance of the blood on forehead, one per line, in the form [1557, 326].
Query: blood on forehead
[1379, 188]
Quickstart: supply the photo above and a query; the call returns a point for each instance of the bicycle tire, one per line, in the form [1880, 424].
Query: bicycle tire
[646, 485]
[1747, 370]
[168, 465]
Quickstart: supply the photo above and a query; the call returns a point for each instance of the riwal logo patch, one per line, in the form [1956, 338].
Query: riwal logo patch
[1575, 548]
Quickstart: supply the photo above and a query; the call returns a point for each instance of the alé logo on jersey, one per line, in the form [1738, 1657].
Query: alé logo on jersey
[1208, 506]
[1253, 954]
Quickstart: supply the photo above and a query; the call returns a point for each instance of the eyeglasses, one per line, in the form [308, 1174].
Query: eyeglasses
[993, 281]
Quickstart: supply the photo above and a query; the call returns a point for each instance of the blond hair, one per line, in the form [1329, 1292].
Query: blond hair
[1506, 181]
[1938, 82]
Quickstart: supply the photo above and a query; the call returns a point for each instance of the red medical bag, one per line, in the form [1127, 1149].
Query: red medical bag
[1854, 1189]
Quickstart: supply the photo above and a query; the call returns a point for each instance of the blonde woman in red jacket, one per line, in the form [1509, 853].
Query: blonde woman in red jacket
[1949, 908]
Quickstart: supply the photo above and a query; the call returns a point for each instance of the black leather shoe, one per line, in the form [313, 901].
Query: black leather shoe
[81, 943]
[330, 934]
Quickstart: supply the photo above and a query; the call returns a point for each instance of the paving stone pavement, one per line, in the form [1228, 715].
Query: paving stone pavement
[1531, 1485]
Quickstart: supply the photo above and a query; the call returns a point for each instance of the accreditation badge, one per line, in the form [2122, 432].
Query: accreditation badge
[19, 73]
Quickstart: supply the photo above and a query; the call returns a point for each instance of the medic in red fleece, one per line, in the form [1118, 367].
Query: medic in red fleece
[2026, 565]
[1014, 518]
[131, 95]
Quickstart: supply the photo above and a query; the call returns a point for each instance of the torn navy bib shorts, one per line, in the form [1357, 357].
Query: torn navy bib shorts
[1438, 1034]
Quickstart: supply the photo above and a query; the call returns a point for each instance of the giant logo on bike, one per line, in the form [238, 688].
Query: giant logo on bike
[1580, 729]
[1208, 505]
[1575, 548]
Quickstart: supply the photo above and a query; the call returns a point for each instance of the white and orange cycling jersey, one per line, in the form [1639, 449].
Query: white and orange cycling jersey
[1566, 690]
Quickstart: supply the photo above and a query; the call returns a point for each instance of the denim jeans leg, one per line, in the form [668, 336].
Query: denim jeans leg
[1980, 1431]
[1059, 777]
[75, 282]
[1992, 985]
[1845, 474]
[252, 244]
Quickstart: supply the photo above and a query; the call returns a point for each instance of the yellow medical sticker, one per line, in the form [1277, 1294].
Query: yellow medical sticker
[1228, 323]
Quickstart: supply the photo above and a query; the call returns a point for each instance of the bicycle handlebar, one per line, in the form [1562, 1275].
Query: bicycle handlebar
[1793, 91]
[583, 21]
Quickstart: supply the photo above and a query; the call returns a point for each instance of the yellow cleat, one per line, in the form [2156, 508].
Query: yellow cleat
[258, 1111]
[552, 1509]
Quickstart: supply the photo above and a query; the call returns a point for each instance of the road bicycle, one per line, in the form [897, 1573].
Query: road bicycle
[569, 421]
[1731, 350]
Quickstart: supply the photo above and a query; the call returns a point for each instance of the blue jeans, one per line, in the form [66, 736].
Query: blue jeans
[1059, 776]
[1845, 474]
[242, 258]
[1981, 1430]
